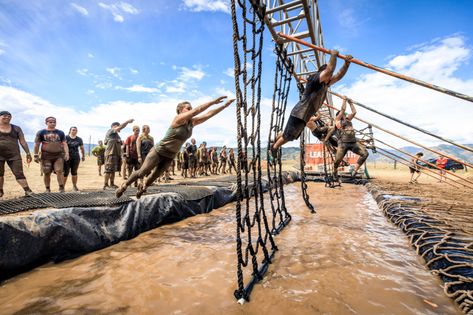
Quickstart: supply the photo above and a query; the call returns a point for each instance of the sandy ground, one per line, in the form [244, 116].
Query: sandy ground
[442, 197]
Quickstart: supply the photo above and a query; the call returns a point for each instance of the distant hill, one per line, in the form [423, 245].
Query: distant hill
[292, 153]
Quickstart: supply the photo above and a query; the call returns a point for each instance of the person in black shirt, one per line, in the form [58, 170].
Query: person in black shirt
[311, 101]
[192, 154]
[54, 151]
[74, 143]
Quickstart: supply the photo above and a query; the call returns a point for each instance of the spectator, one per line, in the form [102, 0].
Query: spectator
[74, 143]
[99, 153]
[223, 160]
[113, 152]
[10, 136]
[131, 151]
[54, 151]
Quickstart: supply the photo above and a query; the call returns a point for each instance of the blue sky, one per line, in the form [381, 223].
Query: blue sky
[94, 62]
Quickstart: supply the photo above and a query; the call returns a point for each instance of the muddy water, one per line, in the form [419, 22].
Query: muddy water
[347, 259]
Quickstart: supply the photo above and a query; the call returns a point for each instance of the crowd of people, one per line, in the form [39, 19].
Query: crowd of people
[135, 158]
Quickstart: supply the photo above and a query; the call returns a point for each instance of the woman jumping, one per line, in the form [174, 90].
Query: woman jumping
[159, 159]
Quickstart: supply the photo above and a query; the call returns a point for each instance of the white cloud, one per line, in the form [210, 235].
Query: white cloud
[115, 71]
[207, 5]
[104, 85]
[83, 71]
[79, 9]
[95, 121]
[230, 72]
[185, 81]
[90, 55]
[192, 74]
[442, 114]
[133, 71]
[119, 9]
[139, 89]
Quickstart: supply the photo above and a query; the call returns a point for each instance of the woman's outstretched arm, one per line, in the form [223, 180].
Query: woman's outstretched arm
[202, 118]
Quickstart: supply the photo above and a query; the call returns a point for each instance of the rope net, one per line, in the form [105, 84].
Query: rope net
[282, 84]
[254, 241]
[446, 250]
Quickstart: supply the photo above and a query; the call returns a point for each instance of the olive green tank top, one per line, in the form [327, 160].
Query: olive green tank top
[173, 140]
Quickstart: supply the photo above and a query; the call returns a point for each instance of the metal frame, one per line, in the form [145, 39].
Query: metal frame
[300, 19]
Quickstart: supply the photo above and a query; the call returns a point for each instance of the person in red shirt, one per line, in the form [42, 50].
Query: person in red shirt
[131, 152]
[441, 164]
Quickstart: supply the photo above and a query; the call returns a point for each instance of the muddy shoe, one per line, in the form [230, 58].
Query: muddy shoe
[74, 188]
[119, 192]
[140, 191]
[105, 187]
[48, 190]
[114, 186]
[28, 192]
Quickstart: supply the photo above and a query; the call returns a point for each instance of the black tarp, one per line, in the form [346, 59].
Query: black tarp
[30, 239]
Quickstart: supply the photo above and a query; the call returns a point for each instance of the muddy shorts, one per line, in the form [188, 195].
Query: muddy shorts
[16, 167]
[71, 166]
[294, 128]
[100, 161]
[414, 169]
[192, 161]
[112, 163]
[50, 165]
[355, 147]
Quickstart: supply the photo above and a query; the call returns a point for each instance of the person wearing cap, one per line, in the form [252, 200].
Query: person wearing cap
[159, 159]
[54, 151]
[312, 99]
[10, 136]
[113, 153]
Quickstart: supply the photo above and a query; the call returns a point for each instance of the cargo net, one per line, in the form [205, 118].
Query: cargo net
[282, 84]
[255, 243]
[61, 200]
[445, 244]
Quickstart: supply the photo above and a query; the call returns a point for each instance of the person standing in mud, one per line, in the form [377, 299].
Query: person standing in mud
[74, 143]
[191, 152]
[312, 99]
[223, 160]
[131, 151]
[99, 153]
[415, 167]
[10, 136]
[346, 139]
[54, 151]
[214, 161]
[231, 160]
[159, 159]
[184, 160]
[113, 153]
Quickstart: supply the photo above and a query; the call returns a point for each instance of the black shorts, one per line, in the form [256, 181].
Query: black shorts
[71, 165]
[414, 169]
[294, 128]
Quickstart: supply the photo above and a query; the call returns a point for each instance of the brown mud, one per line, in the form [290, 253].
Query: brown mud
[345, 259]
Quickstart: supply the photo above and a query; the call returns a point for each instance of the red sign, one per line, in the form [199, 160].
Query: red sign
[314, 156]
